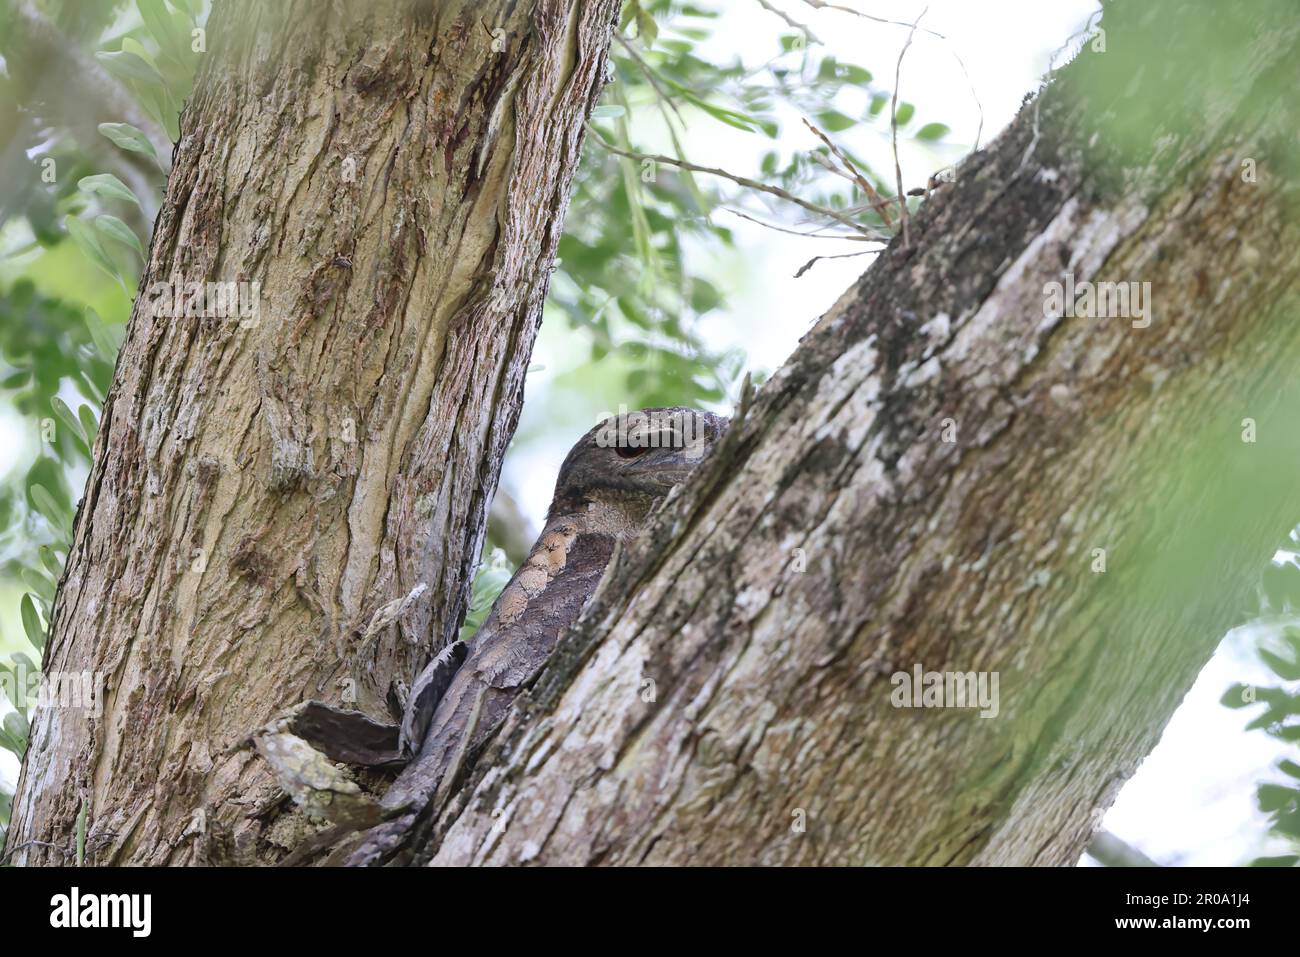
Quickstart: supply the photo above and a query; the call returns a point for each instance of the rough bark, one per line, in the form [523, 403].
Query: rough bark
[290, 508]
[722, 703]
[71, 88]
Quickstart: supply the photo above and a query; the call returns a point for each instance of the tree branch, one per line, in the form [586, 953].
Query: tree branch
[913, 493]
[1108, 849]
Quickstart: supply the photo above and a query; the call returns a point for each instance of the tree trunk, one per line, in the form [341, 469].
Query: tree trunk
[289, 505]
[950, 475]
[947, 474]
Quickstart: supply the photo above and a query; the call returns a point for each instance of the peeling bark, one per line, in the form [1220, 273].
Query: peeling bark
[290, 507]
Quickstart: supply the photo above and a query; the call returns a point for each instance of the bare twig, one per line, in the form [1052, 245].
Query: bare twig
[809, 264]
[822, 5]
[979, 107]
[740, 181]
[26, 844]
[893, 126]
[815, 234]
[876, 202]
[790, 21]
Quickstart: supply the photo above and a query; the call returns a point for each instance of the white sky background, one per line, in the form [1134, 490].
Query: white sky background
[1192, 800]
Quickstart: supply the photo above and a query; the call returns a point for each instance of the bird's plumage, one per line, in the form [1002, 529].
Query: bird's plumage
[610, 480]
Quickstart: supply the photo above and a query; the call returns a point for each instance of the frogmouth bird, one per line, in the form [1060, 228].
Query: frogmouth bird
[608, 484]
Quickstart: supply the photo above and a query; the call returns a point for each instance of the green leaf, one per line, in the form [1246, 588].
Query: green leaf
[1274, 797]
[128, 137]
[16, 380]
[856, 74]
[10, 743]
[491, 578]
[1288, 670]
[91, 388]
[100, 334]
[731, 117]
[834, 121]
[8, 682]
[1290, 767]
[38, 583]
[1282, 585]
[89, 425]
[50, 561]
[1271, 715]
[118, 231]
[932, 131]
[629, 14]
[89, 244]
[1237, 697]
[1285, 860]
[904, 113]
[608, 111]
[106, 184]
[129, 66]
[15, 725]
[48, 506]
[646, 28]
[32, 623]
[64, 415]
[132, 45]
[164, 29]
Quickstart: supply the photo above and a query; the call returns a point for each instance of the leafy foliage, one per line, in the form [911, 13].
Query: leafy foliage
[74, 230]
[57, 351]
[1280, 717]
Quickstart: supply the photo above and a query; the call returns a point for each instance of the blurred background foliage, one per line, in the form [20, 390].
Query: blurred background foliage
[91, 94]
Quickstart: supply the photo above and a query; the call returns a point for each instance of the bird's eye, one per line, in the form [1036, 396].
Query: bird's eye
[629, 452]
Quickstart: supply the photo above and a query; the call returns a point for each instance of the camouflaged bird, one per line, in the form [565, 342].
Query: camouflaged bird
[608, 484]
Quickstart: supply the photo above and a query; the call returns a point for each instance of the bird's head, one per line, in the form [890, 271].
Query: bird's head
[631, 460]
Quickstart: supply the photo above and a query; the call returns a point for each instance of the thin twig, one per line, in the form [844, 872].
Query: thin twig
[893, 125]
[790, 21]
[876, 202]
[738, 180]
[815, 234]
[809, 264]
[979, 107]
[821, 5]
[650, 75]
[26, 844]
